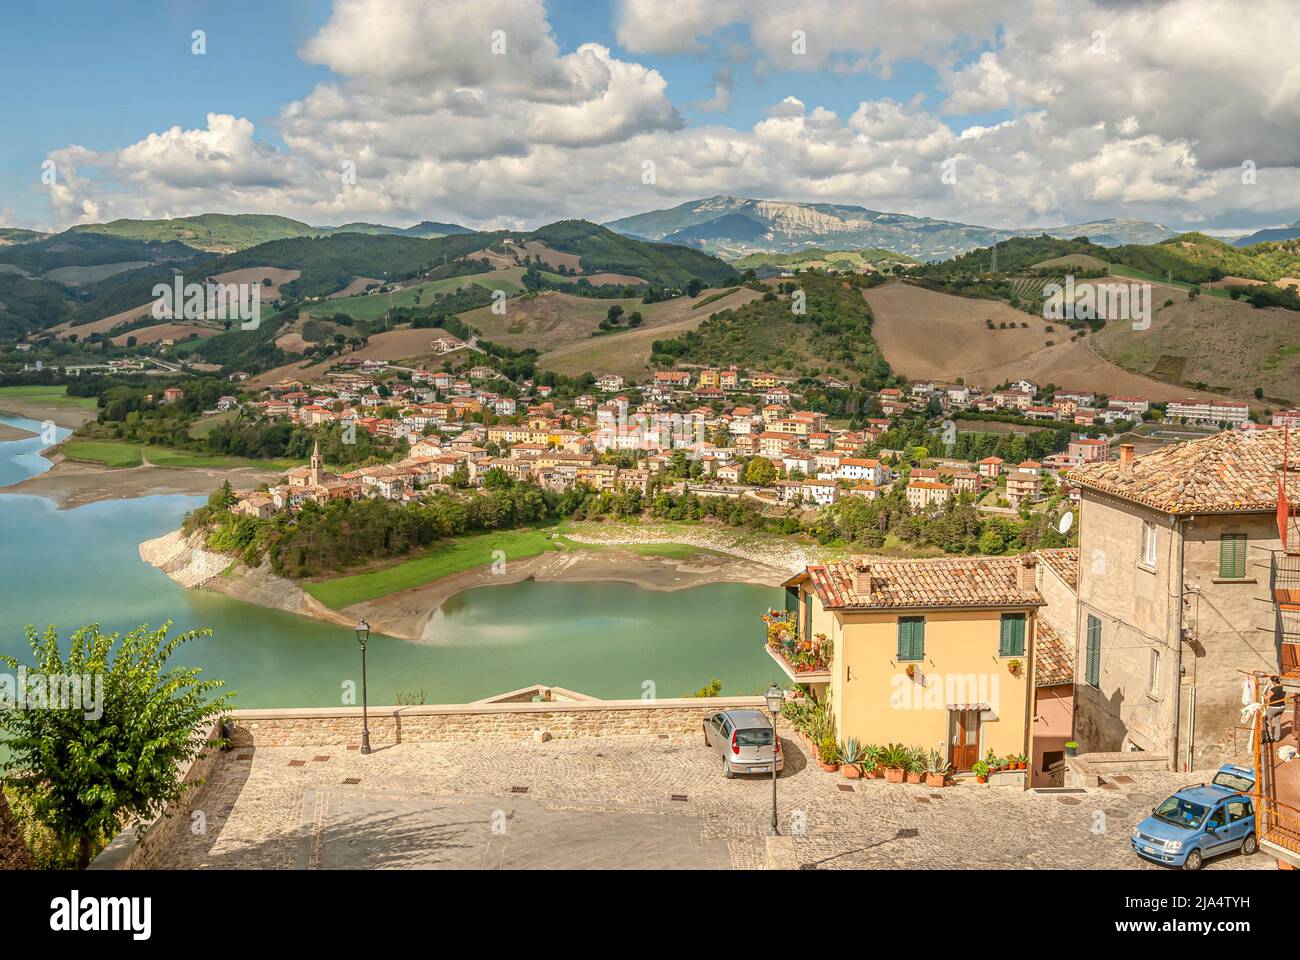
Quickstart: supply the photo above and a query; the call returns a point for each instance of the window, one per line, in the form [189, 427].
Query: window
[1154, 686]
[792, 601]
[1232, 556]
[1239, 810]
[1013, 635]
[807, 616]
[1092, 660]
[911, 638]
[1148, 555]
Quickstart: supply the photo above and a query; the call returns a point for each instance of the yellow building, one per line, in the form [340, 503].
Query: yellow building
[936, 653]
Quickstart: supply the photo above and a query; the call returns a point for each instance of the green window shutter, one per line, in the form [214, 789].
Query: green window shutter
[1013, 635]
[911, 638]
[792, 600]
[1092, 663]
[807, 616]
[1232, 556]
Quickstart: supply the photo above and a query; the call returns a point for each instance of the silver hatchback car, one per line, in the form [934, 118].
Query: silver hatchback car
[745, 740]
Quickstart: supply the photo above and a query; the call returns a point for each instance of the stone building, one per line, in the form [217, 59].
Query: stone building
[1178, 554]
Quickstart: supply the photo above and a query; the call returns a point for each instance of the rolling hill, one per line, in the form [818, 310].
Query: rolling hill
[732, 227]
[210, 232]
[603, 250]
[428, 229]
[844, 261]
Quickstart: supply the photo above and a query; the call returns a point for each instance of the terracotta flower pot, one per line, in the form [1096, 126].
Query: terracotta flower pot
[893, 775]
[934, 779]
[830, 767]
[981, 779]
[1019, 765]
[851, 772]
[913, 778]
[874, 773]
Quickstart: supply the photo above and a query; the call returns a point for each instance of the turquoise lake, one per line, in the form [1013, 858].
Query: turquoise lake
[74, 567]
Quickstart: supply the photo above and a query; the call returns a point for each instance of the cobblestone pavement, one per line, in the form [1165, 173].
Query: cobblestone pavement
[635, 802]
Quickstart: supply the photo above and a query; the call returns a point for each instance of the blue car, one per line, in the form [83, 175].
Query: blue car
[1201, 821]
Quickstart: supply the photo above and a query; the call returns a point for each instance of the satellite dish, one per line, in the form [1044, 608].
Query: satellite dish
[1066, 522]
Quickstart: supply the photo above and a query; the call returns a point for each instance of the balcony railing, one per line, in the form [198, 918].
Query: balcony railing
[1279, 824]
[801, 660]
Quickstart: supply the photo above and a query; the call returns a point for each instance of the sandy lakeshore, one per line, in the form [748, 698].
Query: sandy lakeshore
[14, 433]
[71, 483]
[409, 614]
[61, 415]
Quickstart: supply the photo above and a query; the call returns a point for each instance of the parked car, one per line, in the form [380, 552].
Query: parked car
[1201, 821]
[745, 740]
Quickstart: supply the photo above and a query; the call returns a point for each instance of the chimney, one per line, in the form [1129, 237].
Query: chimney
[862, 581]
[1126, 458]
[1027, 573]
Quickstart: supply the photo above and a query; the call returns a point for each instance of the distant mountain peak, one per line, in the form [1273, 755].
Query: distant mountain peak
[734, 227]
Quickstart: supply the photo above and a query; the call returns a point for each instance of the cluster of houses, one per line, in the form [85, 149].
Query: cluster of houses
[1142, 648]
[473, 421]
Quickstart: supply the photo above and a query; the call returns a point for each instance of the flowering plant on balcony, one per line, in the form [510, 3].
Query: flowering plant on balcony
[780, 628]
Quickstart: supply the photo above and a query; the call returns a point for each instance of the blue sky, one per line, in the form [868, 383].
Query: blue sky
[106, 76]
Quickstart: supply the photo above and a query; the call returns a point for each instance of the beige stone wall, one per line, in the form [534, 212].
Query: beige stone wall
[479, 721]
[1062, 603]
[1234, 628]
[1232, 624]
[1135, 604]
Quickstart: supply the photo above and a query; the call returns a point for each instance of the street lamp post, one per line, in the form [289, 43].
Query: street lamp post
[774, 698]
[363, 634]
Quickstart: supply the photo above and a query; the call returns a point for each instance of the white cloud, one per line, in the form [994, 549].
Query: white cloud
[439, 126]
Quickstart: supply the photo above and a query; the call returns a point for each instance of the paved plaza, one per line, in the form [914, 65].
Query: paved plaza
[634, 802]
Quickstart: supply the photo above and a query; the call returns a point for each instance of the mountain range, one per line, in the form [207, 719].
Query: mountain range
[1263, 236]
[733, 227]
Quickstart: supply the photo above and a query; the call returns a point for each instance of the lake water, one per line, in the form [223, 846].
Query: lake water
[74, 567]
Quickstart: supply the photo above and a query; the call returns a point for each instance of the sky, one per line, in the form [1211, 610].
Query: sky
[514, 113]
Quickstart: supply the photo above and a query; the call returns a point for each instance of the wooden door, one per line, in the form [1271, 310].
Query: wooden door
[963, 738]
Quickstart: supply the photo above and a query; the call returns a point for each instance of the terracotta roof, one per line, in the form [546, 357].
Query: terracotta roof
[1235, 470]
[1053, 657]
[1064, 562]
[936, 582]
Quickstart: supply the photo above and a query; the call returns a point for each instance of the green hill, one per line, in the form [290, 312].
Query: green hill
[603, 250]
[10, 235]
[428, 229]
[214, 232]
[832, 336]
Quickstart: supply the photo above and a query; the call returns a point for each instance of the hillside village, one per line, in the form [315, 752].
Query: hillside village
[743, 434]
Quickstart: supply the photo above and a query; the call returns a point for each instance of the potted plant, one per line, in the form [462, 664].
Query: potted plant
[828, 754]
[915, 764]
[910, 670]
[1021, 761]
[851, 759]
[227, 732]
[1014, 666]
[981, 771]
[872, 763]
[894, 758]
[1071, 748]
[936, 770]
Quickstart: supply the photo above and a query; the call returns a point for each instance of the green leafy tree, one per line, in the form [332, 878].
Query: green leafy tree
[760, 472]
[84, 769]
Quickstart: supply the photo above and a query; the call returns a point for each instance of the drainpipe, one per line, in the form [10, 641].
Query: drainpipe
[1176, 529]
